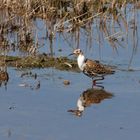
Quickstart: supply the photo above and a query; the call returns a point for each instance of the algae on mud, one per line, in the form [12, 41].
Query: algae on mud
[39, 61]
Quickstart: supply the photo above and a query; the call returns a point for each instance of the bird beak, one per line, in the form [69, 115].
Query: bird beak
[71, 54]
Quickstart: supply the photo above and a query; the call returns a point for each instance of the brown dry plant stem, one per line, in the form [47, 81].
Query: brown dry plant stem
[71, 18]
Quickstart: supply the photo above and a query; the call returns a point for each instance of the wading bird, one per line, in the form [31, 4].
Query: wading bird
[92, 68]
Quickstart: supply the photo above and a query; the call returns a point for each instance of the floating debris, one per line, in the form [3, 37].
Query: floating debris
[37, 85]
[66, 82]
[12, 107]
[24, 85]
[68, 64]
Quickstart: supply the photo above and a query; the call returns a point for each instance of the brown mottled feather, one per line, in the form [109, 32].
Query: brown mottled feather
[95, 68]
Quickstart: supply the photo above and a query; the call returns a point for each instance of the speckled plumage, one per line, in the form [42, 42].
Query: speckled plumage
[91, 68]
[95, 69]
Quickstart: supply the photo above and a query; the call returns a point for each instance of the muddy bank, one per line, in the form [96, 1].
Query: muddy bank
[39, 61]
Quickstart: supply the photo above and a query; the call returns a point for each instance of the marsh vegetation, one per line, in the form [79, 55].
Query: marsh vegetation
[28, 26]
[96, 21]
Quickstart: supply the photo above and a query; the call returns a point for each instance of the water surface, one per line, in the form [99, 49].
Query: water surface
[29, 113]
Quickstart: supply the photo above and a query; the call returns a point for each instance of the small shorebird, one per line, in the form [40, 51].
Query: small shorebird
[92, 68]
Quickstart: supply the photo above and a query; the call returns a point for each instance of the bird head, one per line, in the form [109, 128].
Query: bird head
[76, 52]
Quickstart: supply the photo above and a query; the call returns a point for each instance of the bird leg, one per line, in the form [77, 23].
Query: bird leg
[95, 81]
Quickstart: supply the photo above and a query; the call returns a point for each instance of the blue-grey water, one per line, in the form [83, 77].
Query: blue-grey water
[29, 112]
[38, 114]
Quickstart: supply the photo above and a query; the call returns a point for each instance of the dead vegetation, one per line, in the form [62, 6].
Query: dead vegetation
[66, 17]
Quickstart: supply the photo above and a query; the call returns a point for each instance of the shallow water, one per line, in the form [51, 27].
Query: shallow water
[32, 114]
[34, 104]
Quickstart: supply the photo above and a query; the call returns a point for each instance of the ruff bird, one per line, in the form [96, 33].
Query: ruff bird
[92, 68]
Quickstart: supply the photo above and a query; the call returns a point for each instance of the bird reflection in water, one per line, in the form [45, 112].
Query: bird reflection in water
[4, 77]
[89, 97]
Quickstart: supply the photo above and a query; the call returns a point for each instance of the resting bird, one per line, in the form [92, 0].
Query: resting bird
[91, 68]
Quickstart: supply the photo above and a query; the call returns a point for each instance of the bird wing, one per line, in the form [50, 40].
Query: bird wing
[95, 68]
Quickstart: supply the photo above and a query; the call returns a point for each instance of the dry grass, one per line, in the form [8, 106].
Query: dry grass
[63, 16]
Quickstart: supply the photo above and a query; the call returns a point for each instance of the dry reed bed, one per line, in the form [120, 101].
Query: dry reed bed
[65, 16]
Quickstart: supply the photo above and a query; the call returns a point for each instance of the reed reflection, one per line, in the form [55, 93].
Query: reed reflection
[89, 97]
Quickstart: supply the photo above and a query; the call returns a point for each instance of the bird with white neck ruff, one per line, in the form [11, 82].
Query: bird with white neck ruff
[92, 68]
